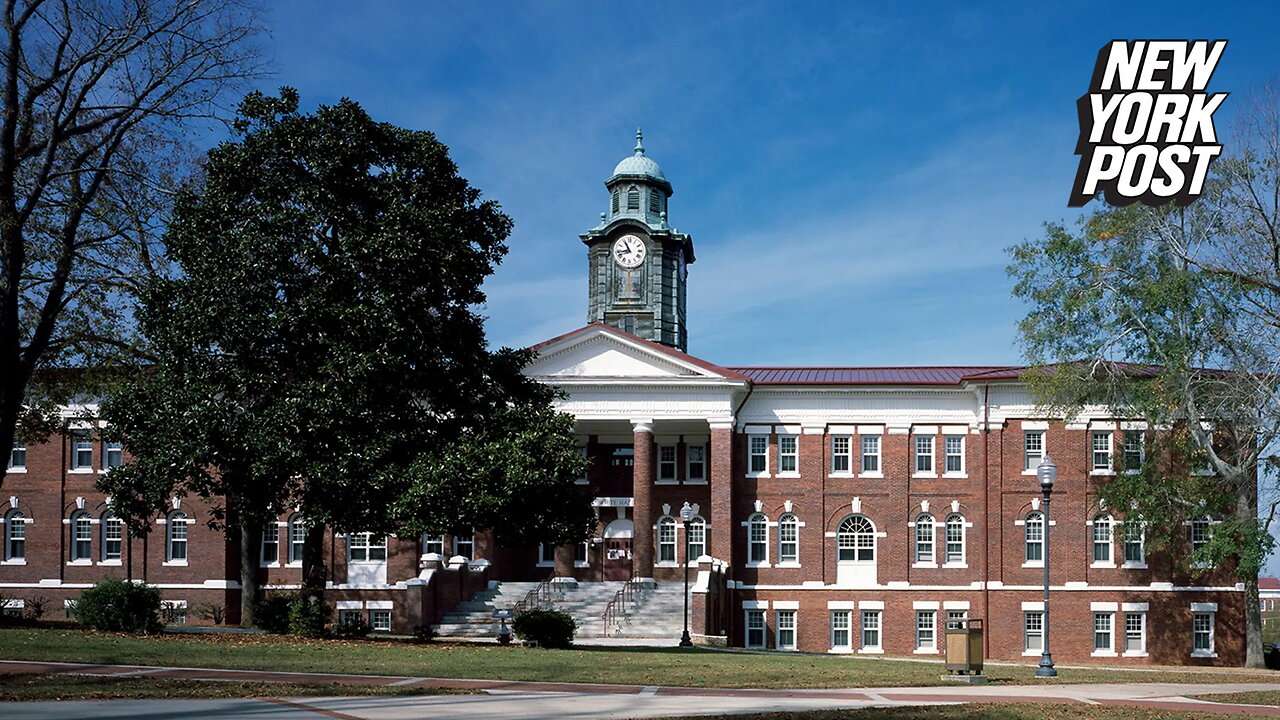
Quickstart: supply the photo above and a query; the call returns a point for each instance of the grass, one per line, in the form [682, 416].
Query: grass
[976, 711]
[1262, 697]
[33, 688]
[630, 666]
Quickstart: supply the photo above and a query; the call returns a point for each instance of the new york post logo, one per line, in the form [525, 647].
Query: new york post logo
[1146, 124]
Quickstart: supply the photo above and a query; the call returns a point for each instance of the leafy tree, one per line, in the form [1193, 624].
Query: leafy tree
[98, 98]
[321, 349]
[1174, 291]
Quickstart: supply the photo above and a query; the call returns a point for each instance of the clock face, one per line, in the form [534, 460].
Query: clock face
[629, 251]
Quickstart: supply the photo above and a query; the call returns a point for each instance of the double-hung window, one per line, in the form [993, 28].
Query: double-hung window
[112, 538]
[1134, 542]
[366, 547]
[788, 454]
[924, 453]
[297, 538]
[666, 539]
[1103, 638]
[954, 550]
[695, 464]
[786, 624]
[1133, 450]
[18, 456]
[81, 451]
[759, 454]
[1033, 531]
[1199, 534]
[758, 538]
[840, 637]
[755, 628]
[697, 539]
[1032, 632]
[380, 620]
[1102, 451]
[841, 454]
[924, 538]
[112, 454]
[870, 453]
[81, 537]
[463, 546]
[667, 463]
[176, 537]
[1202, 633]
[926, 630]
[1102, 540]
[1135, 633]
[871, 630]
[953, 449]
[270, 544]
[1032, 449]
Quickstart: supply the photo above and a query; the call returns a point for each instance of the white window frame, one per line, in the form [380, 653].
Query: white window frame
[465, 545]
[1140, 635]
[297, 539]
[752, 614]
[19, 448]
[760, 522]
[1028, 542]
[955, 520]
[270, 536]
[177, 535]
[757, 450]
[81, 538]
[376, 617]
[668, 457]
[1031, 456]
[839, 618]
[81, 442]
[1029, 632]
[1129, 527]
[788, 456]
[697, 537]
[948, 455]
[930, 627]
[788, 524]
[869, 447]
[1210, 618]
[546, 555]
[842, 456]
[923, 452]
[700, 464]
[1108, 650]
[1100, 453]
[1102, 540]
[785, 621]
[112, 454]
[1127, 446]
[110, 522]
[666, 536]
[871, 621]
[924, 525]
[362, 547]
[856, 541]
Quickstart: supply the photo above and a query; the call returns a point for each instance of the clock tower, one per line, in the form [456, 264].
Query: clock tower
[638, 263]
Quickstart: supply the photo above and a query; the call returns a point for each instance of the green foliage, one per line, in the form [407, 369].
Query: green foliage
[546, 628]
[272, 612]
[424, 633]
[321, 348]
[118, 605]
[308, 615]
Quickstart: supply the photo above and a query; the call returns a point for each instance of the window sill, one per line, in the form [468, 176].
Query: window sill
[667, 564]
[1032, 473]
[671, 481]
[294, 565]
[1096, 472]
[786, 649]
[925, 651]
[1032, 653]
[1129, 653]
[757, 476]
[1033, 564]
[1103, 653]
[1131, 471]
[1103, 565]
[788, 474]
[924, 476]
[840, 651]
[872, 475]
[581, 565]
[957, 475]
[269, 565]
[17, 470]
[1203, 654]
[546, 564]
[695, 482]
[1134, 566]
[757, 565]
[110, 563]
[580, 482]
[787, 565]
[842, 475]
[175, 563]
[955, 566]
[79, 562]
[81, 471]
[754, 647]
[13, 562]
[871, 651]
[925, 565]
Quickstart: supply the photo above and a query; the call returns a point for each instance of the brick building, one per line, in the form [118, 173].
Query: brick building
[842, 510]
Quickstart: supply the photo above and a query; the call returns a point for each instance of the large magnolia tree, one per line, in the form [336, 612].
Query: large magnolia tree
[321, 349]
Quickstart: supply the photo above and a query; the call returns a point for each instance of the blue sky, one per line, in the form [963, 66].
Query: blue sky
[851, 173]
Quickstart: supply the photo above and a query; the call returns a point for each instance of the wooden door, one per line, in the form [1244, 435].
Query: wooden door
[617, 558]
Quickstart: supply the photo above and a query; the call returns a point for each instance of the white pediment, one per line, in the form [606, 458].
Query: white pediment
[598, 353]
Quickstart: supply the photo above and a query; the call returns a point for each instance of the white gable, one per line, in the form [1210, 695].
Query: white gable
[600, 354]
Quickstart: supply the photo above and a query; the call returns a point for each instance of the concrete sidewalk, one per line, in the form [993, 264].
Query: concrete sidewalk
[505, 699]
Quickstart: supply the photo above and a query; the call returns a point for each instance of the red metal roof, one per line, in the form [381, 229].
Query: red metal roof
[947, 375]
[1268, 583]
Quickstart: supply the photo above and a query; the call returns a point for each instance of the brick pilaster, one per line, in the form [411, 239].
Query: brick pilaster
[642, 487]
[721, 527]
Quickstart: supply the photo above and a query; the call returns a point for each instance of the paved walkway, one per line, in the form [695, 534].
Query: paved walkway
[505, 700]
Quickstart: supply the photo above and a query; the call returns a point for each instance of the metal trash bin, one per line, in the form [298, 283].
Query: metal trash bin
[964, 646]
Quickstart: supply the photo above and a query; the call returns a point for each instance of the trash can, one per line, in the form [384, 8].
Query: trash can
[964, 646]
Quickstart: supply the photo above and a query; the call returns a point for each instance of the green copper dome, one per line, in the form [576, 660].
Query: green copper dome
[639, 164]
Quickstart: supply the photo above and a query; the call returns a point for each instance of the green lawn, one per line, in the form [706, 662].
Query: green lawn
[632, 666]
[31, 688]
[1265, 697]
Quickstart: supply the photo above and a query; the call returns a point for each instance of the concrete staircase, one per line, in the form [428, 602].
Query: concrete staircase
[656, 612]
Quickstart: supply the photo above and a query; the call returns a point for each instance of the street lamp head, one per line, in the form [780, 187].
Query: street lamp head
[1047, 472]
[687, 512]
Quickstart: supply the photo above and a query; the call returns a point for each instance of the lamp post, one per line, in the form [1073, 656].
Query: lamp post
[686, 514]
[1046, 473]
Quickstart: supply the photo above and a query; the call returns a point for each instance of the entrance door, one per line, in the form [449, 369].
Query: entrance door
[617, 550]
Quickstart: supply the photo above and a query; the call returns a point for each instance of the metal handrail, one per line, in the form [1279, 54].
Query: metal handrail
[534, 599]
[618, 606]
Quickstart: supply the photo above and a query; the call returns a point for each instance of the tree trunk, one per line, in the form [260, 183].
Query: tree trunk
[250, 591]
[314, 572]
[1247, 508]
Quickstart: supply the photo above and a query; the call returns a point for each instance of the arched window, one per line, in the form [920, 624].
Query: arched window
[924, 538]
[788, 539]
[1102, 538]
[633, 198]
[81, 536]
[297, 538]
[112, 537]
[15, 535]
[697, 529]
[758, 538]
[666, 539]
[954, 551]
[856, 539]
[176, 537]
[1033, 532]
[271, 544]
